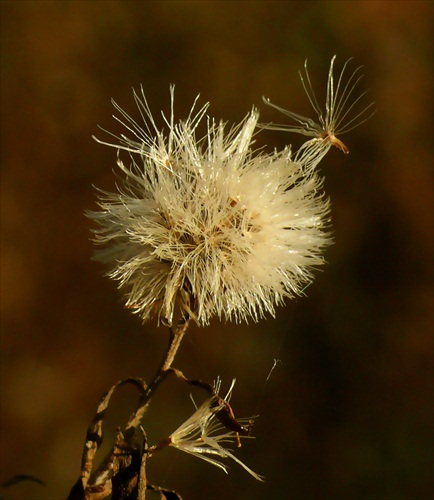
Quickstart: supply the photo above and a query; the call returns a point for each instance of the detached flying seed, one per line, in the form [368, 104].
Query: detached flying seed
[341, 100]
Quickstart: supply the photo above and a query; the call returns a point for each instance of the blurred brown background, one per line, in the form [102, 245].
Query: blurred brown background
[348, 412]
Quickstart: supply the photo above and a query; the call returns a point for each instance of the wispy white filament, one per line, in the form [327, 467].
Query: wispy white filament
[206, 226]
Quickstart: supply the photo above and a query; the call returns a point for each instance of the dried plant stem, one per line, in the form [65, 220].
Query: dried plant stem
[143, 481]
[176, 336]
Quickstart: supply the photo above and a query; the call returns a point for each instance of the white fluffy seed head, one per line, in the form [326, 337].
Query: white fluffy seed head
[207, 226]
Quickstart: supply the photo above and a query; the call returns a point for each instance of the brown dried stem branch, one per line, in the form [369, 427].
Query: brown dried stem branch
[176, 337]
[120, 469]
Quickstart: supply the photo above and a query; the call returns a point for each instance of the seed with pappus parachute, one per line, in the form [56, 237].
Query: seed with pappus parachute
[340, 102]
[204, 436]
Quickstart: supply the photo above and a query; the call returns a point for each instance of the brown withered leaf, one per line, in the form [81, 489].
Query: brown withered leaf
[118, 474]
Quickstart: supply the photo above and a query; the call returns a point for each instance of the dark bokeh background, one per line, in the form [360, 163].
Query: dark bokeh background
[348, 412]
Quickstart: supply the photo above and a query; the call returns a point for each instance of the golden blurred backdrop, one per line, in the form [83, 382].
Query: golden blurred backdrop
[348, 412]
